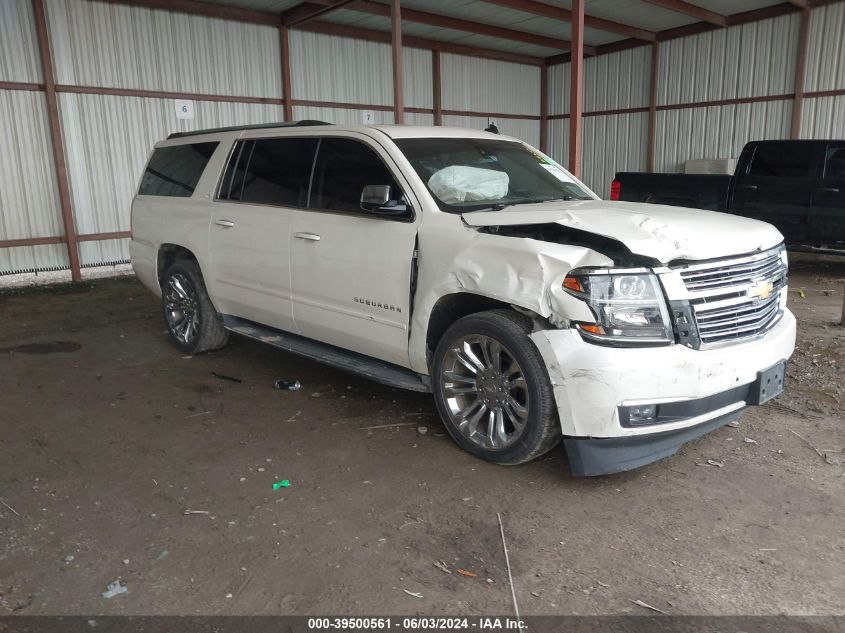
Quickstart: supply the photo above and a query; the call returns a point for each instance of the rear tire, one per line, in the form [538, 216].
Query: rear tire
[492, 388]
[194, 325]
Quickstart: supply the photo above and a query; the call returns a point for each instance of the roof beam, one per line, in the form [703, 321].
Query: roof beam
[370, 35]
[692, 10]
[459, 24]
[576, 89]
[565, 15]
[205, 9]
[695, 28]
[306, 11]
[396, 50]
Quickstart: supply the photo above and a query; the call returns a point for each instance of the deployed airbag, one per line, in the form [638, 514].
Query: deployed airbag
[459, 183]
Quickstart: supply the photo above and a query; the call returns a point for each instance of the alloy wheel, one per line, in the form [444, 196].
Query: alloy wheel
[485, 391]
[181, 309]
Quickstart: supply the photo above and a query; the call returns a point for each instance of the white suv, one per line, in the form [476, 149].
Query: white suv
[473, 266]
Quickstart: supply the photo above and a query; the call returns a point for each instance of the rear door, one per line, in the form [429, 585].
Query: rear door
[777, 187]
[352, 268]
[249, 236]
[827, 217]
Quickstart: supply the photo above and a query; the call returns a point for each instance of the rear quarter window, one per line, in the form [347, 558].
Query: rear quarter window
[175, 171]
[834, 168]
[782, 160]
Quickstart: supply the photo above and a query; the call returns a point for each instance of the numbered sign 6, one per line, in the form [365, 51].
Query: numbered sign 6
[184, 109]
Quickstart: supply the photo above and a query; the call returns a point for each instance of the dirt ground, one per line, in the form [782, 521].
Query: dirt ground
[110, 438]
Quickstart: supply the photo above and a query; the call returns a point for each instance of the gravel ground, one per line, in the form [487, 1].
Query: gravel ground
[52, 278]
[120, 459]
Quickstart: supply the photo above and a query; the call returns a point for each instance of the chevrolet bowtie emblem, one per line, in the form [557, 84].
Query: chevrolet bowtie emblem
[761, 290]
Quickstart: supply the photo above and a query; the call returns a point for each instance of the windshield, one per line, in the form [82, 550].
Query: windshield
[470, 174]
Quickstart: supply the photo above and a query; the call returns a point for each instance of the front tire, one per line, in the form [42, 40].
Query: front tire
[492, 388]
[194, 325]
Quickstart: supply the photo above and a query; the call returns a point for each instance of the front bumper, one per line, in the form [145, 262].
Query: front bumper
[589, 457]
[591, 382]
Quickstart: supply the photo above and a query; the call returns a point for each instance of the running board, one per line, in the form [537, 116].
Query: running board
[372, 368]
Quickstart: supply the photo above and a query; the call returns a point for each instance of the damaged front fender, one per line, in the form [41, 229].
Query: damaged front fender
[522, 272]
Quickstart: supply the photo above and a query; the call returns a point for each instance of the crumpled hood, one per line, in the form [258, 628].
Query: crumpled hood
[662, 232]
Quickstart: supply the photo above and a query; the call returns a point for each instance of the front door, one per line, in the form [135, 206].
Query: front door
[249, 235]
[827, 218]
[352, 268]
[778, 188]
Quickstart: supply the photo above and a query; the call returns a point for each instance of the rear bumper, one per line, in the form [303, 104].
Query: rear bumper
[144, 262]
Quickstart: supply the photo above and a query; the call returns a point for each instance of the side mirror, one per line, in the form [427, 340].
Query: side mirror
[376, 199]
[375, 196]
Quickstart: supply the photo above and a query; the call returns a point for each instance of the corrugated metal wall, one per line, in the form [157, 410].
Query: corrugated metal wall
[105, 45]
[612, 142]
[611, 82]
[171, 52]
[339, 69]
[824, 117]
[618, 80]
[472, 84]
[484, 85]
[559, 141]
[29, 198]
[104, 174]
[18, 46]
[716, 132]
[826, 49]
[107, 138]
[354, 71]
[418, 77]
[752, 60]
[341, 116]
[523, 129]
[559, 89]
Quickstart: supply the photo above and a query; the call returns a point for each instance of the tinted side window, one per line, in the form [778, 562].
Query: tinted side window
[782, 160]
[176, 170]
[344, 167]
[834, 163]
[270, 171]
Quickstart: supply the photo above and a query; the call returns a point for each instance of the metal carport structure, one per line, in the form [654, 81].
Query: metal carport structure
[554, 41]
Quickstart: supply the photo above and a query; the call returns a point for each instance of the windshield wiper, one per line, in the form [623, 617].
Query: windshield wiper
[503, 205]
[495, 207]
[543, 200]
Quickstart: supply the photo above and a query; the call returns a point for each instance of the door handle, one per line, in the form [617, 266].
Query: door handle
[308, 236]
[228, 224]
[749, 187]
[828, 189]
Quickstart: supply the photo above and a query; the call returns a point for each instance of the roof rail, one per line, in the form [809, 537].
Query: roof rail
[259, 126]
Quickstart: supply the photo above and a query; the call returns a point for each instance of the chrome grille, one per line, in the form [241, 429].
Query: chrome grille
[713, 276]
[735, 299]
[738, 321]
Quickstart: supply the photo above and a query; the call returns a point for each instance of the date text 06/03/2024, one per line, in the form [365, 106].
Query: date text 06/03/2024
[417, 624]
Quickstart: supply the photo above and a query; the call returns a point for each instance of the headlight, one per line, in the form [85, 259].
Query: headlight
[629, 308]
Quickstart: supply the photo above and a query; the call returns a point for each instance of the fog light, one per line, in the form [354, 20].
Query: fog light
[642, 413]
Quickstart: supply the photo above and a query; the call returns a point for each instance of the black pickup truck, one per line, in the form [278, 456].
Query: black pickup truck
[799, 186]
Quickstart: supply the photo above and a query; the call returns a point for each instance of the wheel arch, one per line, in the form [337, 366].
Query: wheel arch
[169, 254]
[451, 307]
[487, 388]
